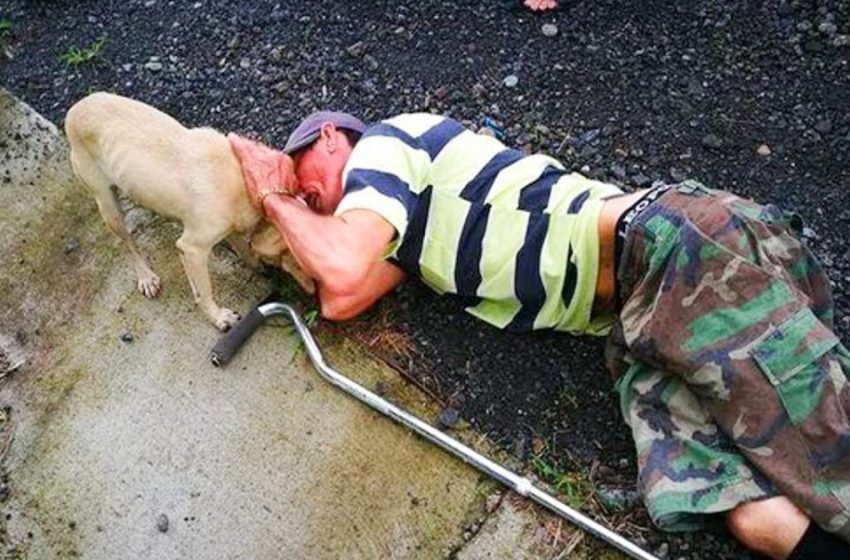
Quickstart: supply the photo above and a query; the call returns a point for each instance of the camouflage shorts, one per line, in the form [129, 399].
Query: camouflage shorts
[730, 376]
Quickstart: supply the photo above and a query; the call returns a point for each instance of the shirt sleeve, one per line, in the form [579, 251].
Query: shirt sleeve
[383, 174]
[383, 193]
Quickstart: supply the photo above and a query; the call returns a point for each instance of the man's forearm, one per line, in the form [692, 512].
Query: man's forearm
[338, 252]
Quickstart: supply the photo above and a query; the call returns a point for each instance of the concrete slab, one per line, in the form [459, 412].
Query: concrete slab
[139, 448]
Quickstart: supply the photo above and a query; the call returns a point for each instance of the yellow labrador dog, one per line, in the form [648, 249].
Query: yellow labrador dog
[187, 174]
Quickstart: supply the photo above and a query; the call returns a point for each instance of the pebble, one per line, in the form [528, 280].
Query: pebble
[824, 126]
[276, 54]
[663, 550]
[841, 41]
[371, 62]
[677, 174]
[381, 388]
[356, 49]
[153, 66]
[448, 417]
[711, 141]
[763, 150]
[70, 246]
[549, 29]
[126, 337]
[510, 81]
[640, 180]
[162, 523]
[828, 28]
[618, 171]
[127, 67]
[589, 136]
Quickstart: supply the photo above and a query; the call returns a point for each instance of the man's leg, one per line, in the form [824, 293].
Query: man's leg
[687, 469]
[778, 529]
[729, 301]
[772, 527]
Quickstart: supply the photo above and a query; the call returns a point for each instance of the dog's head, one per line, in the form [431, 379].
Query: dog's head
[271, 249]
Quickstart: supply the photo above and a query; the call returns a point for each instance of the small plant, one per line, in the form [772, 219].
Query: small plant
[574, 487]
[5, 33]
[310, 317]
[76, 57]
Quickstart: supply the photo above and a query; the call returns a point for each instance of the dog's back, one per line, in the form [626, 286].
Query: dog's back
[156, 161]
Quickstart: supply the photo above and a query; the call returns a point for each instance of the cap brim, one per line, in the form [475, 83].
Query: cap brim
[300, 143]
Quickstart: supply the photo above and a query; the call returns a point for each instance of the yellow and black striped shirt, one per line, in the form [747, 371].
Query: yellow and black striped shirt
[514, 235]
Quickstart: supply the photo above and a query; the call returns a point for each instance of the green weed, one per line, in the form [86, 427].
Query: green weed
[76, 57]
[5, 33]
[310, 317]
[575, 489]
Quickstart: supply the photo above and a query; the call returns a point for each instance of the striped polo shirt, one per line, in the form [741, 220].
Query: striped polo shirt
[514, 235]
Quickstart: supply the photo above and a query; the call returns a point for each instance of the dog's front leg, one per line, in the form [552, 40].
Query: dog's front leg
[195, 257]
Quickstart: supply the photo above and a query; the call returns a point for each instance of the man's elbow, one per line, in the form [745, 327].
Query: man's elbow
[339, 301]
[338, 309]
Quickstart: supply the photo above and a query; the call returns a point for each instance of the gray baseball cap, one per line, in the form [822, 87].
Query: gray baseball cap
[309, 128]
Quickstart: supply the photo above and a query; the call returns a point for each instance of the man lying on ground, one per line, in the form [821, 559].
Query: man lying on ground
[720, 319]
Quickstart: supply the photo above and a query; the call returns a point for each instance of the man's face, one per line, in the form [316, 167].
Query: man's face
[319, 169]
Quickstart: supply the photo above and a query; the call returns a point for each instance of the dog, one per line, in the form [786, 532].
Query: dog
[190, 175]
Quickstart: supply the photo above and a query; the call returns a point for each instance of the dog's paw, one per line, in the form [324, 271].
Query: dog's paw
[150, 285]
[225, 319]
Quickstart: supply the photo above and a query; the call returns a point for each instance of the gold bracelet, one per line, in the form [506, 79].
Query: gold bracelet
[261, 196]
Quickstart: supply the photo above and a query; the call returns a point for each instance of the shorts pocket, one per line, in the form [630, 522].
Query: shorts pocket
[790, 358]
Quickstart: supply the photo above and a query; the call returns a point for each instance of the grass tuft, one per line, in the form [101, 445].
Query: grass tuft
[574, 488]
[5, 34]
[75, 57]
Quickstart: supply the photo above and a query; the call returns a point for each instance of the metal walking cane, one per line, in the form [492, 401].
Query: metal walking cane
[230, 343]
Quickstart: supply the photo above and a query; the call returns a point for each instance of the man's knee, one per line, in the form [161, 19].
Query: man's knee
[742, 520]
[772, 527]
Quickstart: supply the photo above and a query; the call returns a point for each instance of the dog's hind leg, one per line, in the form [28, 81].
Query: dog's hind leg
[107, 203]
[194, 253]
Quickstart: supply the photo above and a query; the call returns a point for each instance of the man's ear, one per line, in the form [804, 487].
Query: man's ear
[328, 133]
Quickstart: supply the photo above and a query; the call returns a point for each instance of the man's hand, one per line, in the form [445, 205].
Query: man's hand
[265, 171]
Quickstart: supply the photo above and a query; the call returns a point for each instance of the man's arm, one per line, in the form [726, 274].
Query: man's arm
[344, 254]
[382, 278]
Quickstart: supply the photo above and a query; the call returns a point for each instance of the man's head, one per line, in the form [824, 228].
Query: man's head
[320, 147]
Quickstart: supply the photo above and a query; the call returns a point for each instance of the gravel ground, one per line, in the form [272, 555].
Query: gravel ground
[747, 96]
